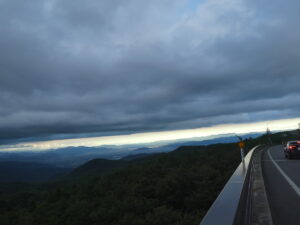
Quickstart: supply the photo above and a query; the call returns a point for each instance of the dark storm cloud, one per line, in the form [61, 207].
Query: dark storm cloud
[116, 66]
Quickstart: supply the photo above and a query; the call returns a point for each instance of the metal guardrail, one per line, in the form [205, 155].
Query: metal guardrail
[224, 209]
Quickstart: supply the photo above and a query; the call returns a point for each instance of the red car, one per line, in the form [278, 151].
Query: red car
[292, 149]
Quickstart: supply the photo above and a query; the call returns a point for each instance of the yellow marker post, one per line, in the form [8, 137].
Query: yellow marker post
[242, 146]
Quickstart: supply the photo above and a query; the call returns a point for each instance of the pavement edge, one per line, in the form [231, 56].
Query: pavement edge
[261, 213]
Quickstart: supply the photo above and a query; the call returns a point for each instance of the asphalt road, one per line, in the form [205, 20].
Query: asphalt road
[282, 182]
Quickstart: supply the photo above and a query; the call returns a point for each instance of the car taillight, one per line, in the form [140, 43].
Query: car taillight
[292, 147]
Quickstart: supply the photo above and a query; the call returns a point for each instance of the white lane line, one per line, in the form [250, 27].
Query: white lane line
[293, 185]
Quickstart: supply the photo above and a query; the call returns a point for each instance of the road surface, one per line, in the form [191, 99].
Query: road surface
[282, 182]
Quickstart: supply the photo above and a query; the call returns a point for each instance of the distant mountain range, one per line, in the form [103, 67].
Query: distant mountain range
[46, 165]
[191, 142]
[72, 157]
[69, 157]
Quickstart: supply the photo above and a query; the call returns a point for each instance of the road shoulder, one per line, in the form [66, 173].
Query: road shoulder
[261, 213]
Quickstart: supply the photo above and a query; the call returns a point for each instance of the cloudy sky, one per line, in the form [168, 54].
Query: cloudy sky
[76, 68]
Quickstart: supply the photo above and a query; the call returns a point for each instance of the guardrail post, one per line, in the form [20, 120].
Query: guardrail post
[242, 155]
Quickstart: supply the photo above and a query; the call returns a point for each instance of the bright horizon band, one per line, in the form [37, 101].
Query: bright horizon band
[150, 137]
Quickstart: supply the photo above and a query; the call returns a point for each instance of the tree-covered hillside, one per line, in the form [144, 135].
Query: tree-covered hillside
[171, 188]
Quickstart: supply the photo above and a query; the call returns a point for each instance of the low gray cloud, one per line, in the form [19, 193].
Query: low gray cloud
[105, 67]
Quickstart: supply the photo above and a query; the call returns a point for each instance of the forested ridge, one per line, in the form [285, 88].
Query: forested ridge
[172, 188]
